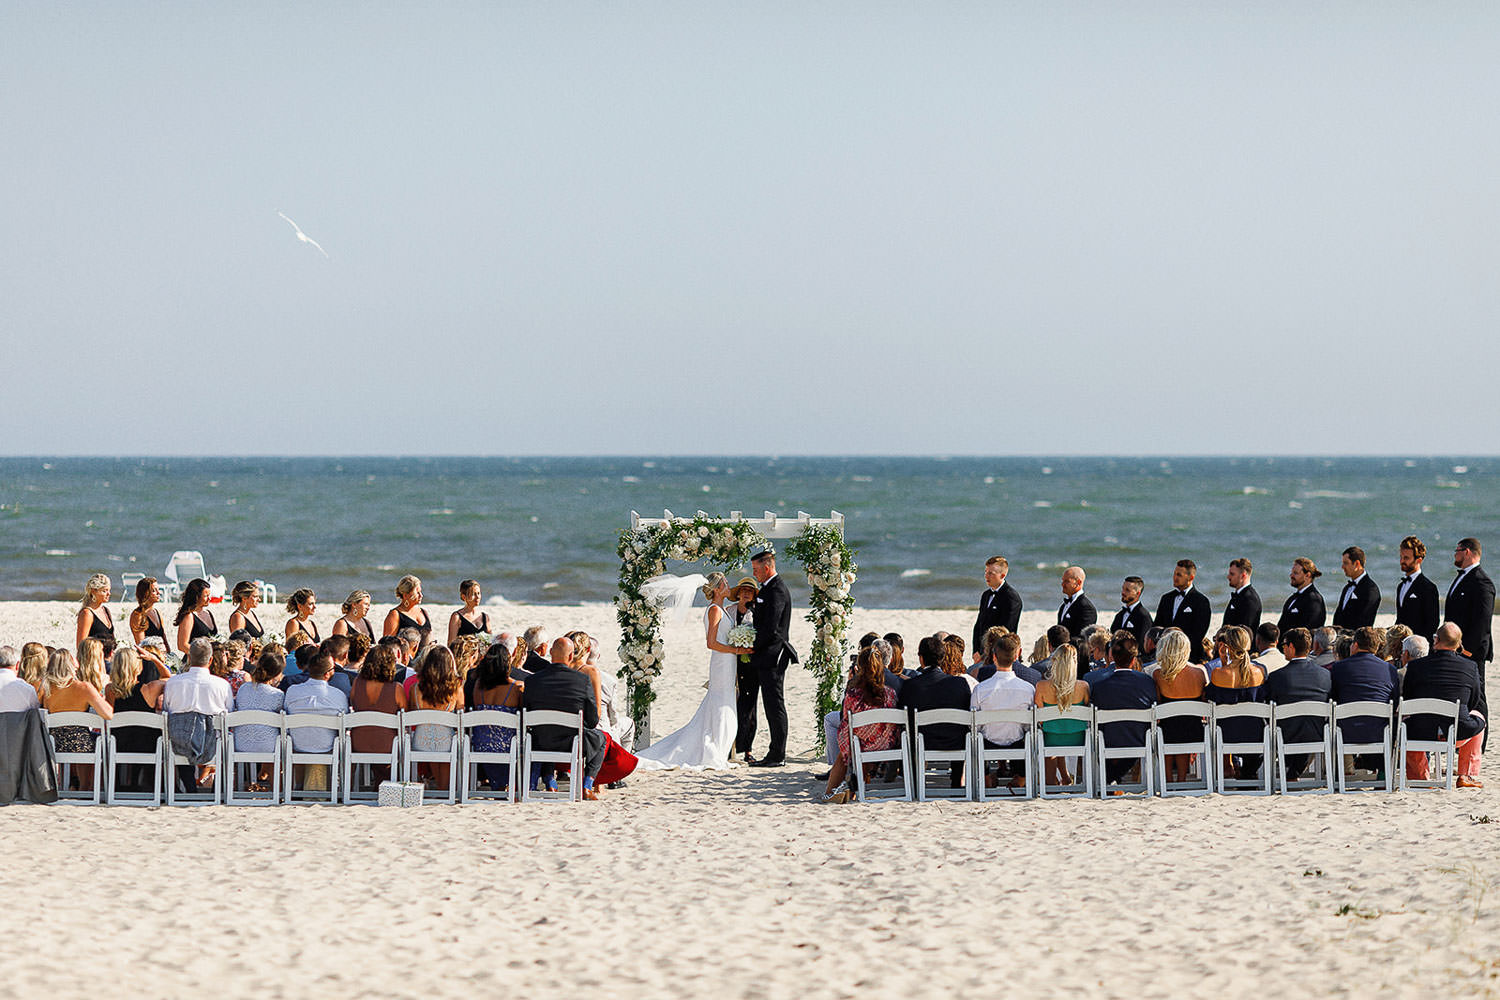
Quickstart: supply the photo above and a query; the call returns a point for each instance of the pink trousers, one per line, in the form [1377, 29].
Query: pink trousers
[1468, 759]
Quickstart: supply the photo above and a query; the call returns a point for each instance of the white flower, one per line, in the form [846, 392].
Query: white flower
[702, 531]
[692, 545]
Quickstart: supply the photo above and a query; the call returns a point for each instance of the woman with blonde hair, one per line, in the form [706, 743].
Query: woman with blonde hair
[33, 665]
[1236, 680]
[91, 666]
[1040, 650]
[302, 604]
[355, 607]
[408, 612]
[92, 624]
[1177, 679]
[135, 685]
[246, 596]
[1062, 688]
[63, 691]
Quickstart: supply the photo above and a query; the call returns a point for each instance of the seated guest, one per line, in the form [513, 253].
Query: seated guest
[64, 691]
[953, 659]
[315, 696]
[135, 685]
[553, 686]
[376, 689]
[92, 663]
[504, 647]
[897, 666]
[1413, 647]
[1040, 650]
[494, 690]
[619, 763]
[262, 693]
[1002, 688]
[613, 716]
[1325, 641]
[866, 690]
[1300, 680]
[1178, 679]
[234, 664]
[1062, 688]
[1148, 649]
[193, 700]
[337, 646]
[1266, 651]
[359, 648]
[438, 689]
[298, 661]
[538, 642]
[1002, 647]
[1447, 674]
[1363, 676]
[1096, 650]
[411, 642]
[1122, 686]
[933, 687]
[1234, 681]
[15, 694]
[831, 719]
[1057, 637]
[33, 665]
[1394, 637]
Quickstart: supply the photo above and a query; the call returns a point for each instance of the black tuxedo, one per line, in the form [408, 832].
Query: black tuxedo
[931, 688]
[996, 607]
[1244, 609]
[773, 651]
[1418, 610]
[1304, 610]
[1470, 606]
[1192, 617]
[1359, 610]
[1081, 614]
[747, 694]
[1137, 623]
[556, 688]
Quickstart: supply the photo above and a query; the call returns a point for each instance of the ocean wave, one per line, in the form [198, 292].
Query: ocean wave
[1334, 495]
[1449, 484]
[1254, 491]
[58, 552]
[1041, 503]
[908, 573]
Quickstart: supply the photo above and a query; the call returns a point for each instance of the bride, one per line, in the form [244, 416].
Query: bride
[708, 739]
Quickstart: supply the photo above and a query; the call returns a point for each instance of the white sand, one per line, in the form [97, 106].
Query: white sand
[737, 884]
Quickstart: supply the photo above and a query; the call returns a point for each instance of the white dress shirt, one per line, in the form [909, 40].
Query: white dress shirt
[1002, 689]
[1349, 589]
[1404, 587]
[1181, 596]
[196, 690]
[15, 694]
[314, 697]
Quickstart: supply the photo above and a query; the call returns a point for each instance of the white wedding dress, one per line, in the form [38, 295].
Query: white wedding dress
[706, 741]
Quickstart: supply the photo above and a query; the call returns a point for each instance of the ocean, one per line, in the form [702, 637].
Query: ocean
[543, 530]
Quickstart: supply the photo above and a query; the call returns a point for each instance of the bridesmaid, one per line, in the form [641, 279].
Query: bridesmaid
[356, 608]
[302, 604]
[145, 620]
[194, 620]
[91, 624]
[463, 621]
[246, 596]
[409, 594]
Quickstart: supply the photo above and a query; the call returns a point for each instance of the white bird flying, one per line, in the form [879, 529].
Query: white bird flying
[303, 236]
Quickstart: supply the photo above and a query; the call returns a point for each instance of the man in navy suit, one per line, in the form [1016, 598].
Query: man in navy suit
[1244, 603]
[1363, 676]
[1470, 606]
[1416, 596]
[931, 688]
[1122, 685]
[999, 604]
[1184, 607]
[1300, 680]
[557, 687]
[1448, 675]
[1132, 616]
[1305, 608]
[1077, 611]
[1360, 598]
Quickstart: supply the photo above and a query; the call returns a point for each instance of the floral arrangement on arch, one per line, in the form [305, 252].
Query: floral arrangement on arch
[831, 572]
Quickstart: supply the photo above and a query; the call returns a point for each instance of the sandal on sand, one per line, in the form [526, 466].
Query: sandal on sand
[841, 796]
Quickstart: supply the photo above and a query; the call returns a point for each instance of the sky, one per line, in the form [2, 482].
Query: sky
[749, 228]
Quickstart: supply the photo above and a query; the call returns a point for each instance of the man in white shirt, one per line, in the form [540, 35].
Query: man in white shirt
[191, 700]
[315, 696]
[15, 694]
[1003, 689]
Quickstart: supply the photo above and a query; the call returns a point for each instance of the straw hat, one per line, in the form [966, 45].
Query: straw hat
[748, 581]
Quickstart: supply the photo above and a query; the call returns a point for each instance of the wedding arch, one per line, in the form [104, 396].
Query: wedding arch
[727, 543]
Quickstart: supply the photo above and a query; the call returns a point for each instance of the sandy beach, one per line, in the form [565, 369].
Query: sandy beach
[739, 884]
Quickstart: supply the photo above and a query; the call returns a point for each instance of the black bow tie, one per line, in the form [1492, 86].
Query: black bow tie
[1406, 579]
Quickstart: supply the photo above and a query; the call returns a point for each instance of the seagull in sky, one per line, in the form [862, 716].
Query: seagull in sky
[303, 236]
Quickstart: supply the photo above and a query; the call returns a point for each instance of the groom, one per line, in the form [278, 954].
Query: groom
[773, 651]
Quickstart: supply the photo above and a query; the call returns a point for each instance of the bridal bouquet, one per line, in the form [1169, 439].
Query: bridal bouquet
[742, 635]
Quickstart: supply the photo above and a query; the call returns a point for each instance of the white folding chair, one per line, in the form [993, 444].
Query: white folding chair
[67, 760]
[156, 759]
[246, 763]
[334, 725]
[531, 758]
[1140, 753]
[1079, 753]
[127, 589]
[184, 566]
[944, 759]
[984, 755]
[1223, 748]
[356, 762]
[471, 759]
[197, 797]
[411, 756]
[1319, 752]
[267, 591]
[859, 757]
[1343, 780]
[1203, 782]
[1446, 749]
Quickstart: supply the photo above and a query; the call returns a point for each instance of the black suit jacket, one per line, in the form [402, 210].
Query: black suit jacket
[1452, 677]
[1300, 680]
[931, 688]
[1192, 617]
[772, 611]
[1419, 610]
[996, 607]
[1470, 606]
[1304, 610]
[1137, 623]
[1359, 610]
[1244, 609]
[1081, 614]
[556, 688]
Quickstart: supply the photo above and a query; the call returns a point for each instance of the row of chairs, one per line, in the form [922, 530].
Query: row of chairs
[350, 772]
[919, 765]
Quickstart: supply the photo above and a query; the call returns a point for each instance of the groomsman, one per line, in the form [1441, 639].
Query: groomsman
[1244, 603]
[1304, 609]
[999, 605]
[1470, 606]
[1076, 610]
[1416, 596]
[1132, 616]
[1361, 596]
[1184, 607]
